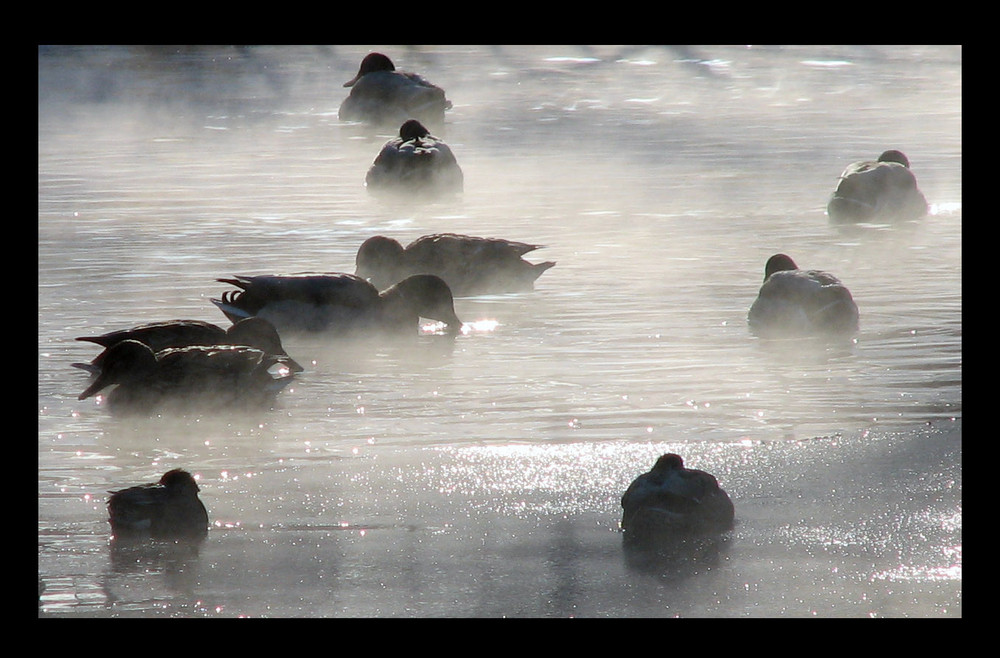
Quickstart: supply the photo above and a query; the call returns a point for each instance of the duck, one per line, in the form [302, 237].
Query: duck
[167, 509]
[673, 501]
[340, 304]
[192, 377]
[415, 162]
[798, 303]
[881, 189]
[469, 265]
[382, 96]
[253, 332]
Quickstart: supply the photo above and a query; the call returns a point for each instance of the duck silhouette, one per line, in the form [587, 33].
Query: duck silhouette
[883, 189]
[167, 509]
[383, 96]
[252, 332]
[340, 304]
[205, 377]
[673, 501]
[469, 265]
[797, 303]
[415, 163]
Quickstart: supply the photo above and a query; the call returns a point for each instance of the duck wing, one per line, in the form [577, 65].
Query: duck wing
[161, 335]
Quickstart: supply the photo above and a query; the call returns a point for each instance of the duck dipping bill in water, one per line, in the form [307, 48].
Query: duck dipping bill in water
[167, 509]
[883, 189]
[469, 265]
[672, 501]
[340, 304]
[383, 96]
[252, 332]
[795, 303]
[193, 377]
[415, 163]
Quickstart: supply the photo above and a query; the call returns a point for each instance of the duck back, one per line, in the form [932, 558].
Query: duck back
[469, 265]
[800, 303]
[883, 189]
[388, 98]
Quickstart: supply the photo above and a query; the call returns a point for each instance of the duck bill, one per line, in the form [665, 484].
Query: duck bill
[350, 83]
[293, 365]
[95, 386]
[453, 325]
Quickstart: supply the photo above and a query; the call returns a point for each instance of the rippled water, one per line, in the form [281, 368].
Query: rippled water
[481, 475]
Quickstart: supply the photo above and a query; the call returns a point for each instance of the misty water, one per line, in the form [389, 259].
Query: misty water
[481, 475]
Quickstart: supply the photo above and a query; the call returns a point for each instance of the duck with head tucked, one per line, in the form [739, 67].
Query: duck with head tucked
[469, 265]
[884, 189]
[197, 377]
[169, 509]
[252, 332]
[416, 162]
[340, 304]
[794, 303]
[671, 501]
[383, 96]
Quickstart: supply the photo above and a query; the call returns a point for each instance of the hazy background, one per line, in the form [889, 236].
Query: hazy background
[481, 476]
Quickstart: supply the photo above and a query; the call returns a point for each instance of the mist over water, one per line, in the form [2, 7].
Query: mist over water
[480, 475]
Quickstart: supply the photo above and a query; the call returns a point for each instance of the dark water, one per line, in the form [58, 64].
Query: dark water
[481, 476]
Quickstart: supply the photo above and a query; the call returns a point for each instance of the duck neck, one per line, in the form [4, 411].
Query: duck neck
[398, 309]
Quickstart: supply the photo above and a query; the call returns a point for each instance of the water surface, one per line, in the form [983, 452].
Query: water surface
[481, 475]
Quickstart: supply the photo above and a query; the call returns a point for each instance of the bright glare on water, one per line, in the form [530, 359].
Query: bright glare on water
[480, 474]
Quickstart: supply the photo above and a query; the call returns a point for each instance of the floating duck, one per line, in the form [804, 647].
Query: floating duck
[798, 303]
[339, 303]
[416, 162]
[882, 189]
[168, 509]
[252, 332]
[197, 376]
[381, 95]
[672, 501]
[469, 265]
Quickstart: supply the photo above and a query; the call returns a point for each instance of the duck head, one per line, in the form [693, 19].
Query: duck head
[261, 334]
[179, 482]
[377, 259]
[424, 295]
[668, 462]
[778, 263]
[412, 129]
[893, 155]
[127, 360]
[371, 63]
